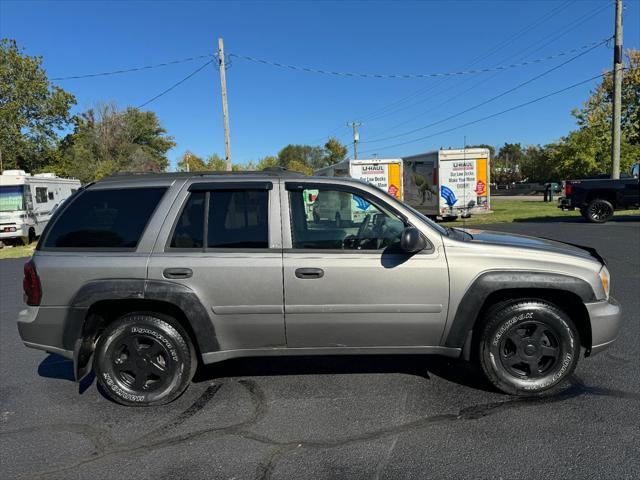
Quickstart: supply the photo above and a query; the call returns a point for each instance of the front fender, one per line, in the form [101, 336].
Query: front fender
[489, 282]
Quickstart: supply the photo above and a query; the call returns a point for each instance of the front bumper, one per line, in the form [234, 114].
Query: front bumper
[606, 319]
[20, 231]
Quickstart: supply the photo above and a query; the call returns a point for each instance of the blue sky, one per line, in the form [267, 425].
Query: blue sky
[272, 107]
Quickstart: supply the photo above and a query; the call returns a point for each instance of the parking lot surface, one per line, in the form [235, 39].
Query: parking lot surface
[334, 417]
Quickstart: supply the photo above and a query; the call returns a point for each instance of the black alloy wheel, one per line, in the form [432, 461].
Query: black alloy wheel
[141, 362]
[529, 350]
[599, 211]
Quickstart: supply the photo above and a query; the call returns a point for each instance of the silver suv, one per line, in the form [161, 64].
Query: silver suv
[143, 277]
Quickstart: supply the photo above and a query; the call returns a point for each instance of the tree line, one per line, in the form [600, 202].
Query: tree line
[39, 133]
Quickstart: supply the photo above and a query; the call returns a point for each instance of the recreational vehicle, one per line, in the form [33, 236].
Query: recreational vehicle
[28, 201]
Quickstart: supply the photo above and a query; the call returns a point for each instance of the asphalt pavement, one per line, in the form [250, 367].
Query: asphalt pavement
[334, 417]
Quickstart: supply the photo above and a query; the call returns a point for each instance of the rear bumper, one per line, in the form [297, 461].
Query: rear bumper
[43, 328]
[565, 203]
[606, 319]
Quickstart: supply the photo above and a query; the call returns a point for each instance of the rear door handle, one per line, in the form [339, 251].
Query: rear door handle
[309, 273]
[177, 273]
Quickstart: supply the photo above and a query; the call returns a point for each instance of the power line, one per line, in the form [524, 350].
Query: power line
[134, 69]
[487, 54]
[565, 30]
[390, 107]
[482, 119]
[410, 75]
[180, 82]
[500, 95]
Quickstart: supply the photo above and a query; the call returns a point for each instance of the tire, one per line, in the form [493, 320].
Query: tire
[599, 211]
[144, 359]
[528, 347]
[32, 236]
[585, 213]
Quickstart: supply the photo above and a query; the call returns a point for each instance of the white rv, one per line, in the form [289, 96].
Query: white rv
[28, 201]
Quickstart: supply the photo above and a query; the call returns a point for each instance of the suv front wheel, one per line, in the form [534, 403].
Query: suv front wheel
[528, 347]
[144, 359]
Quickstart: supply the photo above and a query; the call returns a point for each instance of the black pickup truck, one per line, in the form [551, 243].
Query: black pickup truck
[598, 198]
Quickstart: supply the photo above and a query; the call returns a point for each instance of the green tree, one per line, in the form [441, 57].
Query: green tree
[301, 158]
[335, 152]
[32, 110]
[189, 162]
[266, 162]
[587, 151]
[106, 140]
[505, 167]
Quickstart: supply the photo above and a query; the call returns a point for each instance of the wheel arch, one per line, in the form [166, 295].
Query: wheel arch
[566, 292]
[101, 302]
[611, 196]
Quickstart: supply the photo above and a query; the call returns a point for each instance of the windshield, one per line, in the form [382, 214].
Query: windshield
[11, 198]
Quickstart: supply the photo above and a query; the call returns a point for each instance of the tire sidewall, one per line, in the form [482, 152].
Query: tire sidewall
[180, 359]
[503, 320]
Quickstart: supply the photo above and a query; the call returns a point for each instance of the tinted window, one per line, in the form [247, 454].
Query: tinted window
[237, 219]
[41, 195]
[339, 220]
[105, 218]
[189, 231]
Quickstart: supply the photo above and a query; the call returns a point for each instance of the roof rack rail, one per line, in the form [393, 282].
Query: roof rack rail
[270, 171]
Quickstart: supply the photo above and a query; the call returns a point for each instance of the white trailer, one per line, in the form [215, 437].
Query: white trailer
[28, 201]
[448, 183]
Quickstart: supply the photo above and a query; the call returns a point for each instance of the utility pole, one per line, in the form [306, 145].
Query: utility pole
[356, 137]
[225, 108]
[617, 94]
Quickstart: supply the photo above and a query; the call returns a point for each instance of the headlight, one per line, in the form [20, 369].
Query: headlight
[605, 279]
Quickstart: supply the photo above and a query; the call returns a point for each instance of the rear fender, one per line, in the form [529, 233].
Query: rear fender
[85, 325]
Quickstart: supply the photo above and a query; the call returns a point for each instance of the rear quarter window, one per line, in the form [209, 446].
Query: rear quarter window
[113, 218]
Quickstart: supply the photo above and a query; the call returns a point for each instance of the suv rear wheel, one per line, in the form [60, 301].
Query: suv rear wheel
[528, 347]
[144, 359]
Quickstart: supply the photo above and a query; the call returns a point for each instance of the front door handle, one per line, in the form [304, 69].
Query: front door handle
[177, 273]
[309, 273]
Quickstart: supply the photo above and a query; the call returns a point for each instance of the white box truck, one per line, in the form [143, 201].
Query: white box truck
[28, 201]
[384, 173]
[442, 184]
[448, 183]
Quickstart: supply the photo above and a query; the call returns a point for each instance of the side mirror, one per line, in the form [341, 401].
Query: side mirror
[412, 241]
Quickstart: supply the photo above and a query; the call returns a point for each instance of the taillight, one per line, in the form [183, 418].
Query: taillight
[31, 285]
[567, 189]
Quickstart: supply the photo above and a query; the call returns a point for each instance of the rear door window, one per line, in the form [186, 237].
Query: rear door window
[223, 219]
[113, 218]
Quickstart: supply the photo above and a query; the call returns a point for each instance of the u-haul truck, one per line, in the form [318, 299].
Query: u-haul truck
[384, 173]
[448, 183]
[443, 184]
